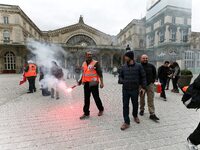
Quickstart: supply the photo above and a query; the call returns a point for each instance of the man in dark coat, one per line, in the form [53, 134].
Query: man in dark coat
[194, 138]
[132, 75]
[150, 71]
[163, 74]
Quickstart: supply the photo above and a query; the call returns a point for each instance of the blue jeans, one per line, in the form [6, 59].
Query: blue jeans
[127, 95]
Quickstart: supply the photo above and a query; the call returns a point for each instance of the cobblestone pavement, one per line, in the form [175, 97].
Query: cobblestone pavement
[34, 122]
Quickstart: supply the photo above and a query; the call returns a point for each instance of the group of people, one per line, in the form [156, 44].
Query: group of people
[55, 73]
[137, 81]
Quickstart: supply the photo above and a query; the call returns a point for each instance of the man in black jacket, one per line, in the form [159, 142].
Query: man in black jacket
[131, 76]
[194, 138]
[163, 73]
[150, 71]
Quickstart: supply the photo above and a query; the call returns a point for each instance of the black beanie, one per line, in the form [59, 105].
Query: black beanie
[129, 54]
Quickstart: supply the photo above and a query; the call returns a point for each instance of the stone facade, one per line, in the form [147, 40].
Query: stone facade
[133, 35]
[164, 34]
[16, 27]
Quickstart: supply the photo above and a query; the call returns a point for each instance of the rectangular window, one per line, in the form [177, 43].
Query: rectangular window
[185, 21]
[5, 20]
[173, 32]
[151, 28]
[161, 22]
[6, 36]
[173, 20]
[161, 36]
[151, 41]
[185, 36]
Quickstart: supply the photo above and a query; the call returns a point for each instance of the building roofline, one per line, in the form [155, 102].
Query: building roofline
[132, 23]
[168, 6]
[23, 14]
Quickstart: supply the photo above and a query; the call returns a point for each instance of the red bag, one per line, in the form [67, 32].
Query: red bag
[157, 87]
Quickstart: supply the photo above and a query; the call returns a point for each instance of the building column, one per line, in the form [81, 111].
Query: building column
[101, 63]
[65, 63]
[122, 60]
[111, 61]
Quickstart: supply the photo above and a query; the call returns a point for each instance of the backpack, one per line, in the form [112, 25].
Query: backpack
[191, 98]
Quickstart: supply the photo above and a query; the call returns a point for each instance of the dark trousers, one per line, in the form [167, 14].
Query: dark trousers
[127, 95]
[168, 81]
[174, 82]
[45, 92]
[163, 84]
[31, 81]
[195, 136]
[95, 93]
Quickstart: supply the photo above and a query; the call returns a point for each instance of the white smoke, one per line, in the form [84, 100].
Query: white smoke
[44, 54]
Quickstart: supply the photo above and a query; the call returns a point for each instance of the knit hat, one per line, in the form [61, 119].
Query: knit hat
[129, 54]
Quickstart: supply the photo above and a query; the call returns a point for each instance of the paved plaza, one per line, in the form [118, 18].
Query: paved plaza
[34, 122]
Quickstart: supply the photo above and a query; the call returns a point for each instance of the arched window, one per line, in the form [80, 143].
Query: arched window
[9, 61]
[81, 40]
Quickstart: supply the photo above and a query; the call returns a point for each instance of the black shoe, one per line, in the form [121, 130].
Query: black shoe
[57, 98]
[30, 92]
[84, 117]
[142, 113]
[100, 113]
[34, 90]
[154, 117]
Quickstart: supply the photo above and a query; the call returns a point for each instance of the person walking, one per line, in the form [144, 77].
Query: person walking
[163, 74]
[175, 77]
[170, 76]
[150, 71]
[31, 71]
[91, 78]
[132, 75]
[192, 95]
[43, 83]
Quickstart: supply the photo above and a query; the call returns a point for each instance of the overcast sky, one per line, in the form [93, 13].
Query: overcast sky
[108, 16]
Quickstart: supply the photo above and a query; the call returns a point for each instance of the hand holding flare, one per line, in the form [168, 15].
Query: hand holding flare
[71, 88]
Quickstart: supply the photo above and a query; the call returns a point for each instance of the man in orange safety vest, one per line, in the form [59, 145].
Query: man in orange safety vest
[31, 71]
[91, 78]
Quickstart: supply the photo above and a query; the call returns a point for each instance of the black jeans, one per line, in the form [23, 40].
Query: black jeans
[163, 84]
[31, 81]
[127, 95]
[195, 136]
[95, 93]
[174, 82]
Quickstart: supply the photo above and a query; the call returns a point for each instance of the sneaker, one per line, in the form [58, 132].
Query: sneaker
[100, 113]
[191, 146]
[154, 117]
[124, 126]
[84, 117]
[142, 113]
[137, 120]
[29, 92]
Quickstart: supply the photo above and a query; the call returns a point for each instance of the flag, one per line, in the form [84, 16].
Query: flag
[23, 80]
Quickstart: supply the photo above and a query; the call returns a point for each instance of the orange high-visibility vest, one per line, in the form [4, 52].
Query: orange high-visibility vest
[89, 72]
[31, 71]
[185, 88]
